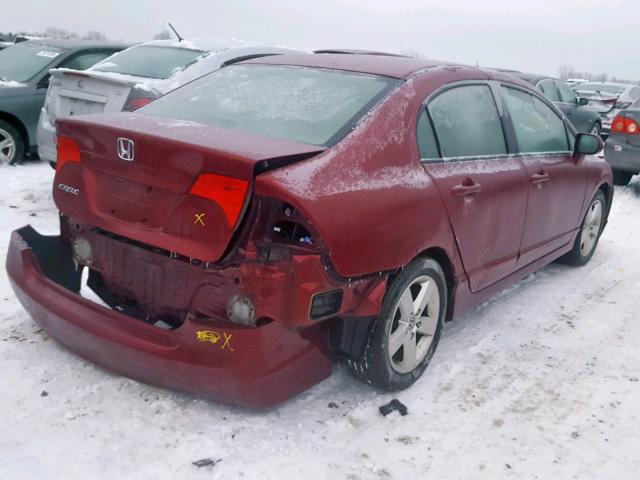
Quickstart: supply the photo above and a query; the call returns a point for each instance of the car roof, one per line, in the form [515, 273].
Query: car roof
[384, 65]
[73, 44]
[205, 44]
[357, 51]
[532, 78]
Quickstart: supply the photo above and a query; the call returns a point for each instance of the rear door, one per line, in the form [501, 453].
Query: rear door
[484, 188]
[556, 181]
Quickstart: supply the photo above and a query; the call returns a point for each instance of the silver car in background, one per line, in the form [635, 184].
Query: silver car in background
[608, 99]
[134, 77]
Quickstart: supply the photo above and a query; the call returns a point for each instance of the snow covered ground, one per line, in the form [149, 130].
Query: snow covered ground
[542, 382]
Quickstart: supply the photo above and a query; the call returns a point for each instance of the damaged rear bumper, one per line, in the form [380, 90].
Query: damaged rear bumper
[255, 367]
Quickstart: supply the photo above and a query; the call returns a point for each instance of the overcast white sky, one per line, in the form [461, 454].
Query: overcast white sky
[601, 36]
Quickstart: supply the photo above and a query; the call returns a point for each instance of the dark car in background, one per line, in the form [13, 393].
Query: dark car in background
[575, 108]
[622, 149]
[24, 79]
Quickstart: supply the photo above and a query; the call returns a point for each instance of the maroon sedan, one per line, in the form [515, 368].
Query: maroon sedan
[251, 227]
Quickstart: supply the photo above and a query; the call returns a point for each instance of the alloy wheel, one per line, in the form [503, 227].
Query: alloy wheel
[7, 147]
[414, 325]
[591, 228]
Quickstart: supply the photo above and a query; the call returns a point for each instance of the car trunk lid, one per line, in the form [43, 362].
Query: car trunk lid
[76, 92]
[175, 185]
[600, 102]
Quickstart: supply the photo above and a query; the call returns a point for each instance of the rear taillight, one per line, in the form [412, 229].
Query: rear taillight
[228, 192]
[138, 98]
[625, 125]
[68, 152]
[135, 103]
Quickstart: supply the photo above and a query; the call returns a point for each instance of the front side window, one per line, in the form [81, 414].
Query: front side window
[538, 128]
[310, 105]
[20, 63]
[566, 94]
[467, 123]
[635, 93]
[548, 87]
[150, 62]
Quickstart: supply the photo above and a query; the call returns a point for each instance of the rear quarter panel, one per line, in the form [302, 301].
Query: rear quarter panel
[369, 197]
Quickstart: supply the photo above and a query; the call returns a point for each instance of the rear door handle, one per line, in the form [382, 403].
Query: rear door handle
[464, 190]
[540, 177]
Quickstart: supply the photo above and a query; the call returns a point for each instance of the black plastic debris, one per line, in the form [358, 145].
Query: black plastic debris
[394, 405]
[206, 462]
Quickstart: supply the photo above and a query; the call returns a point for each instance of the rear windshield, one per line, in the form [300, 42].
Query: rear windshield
[149, 62]
[22, 62]
[598, 87]
[310, 105]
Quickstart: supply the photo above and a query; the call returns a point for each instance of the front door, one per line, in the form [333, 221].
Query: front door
[556, 183]
[483, 187]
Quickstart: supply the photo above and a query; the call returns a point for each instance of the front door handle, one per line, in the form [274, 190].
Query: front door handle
[540, 177]
[466, 189]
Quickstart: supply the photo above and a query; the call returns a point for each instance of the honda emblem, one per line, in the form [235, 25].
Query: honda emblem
[125, 149]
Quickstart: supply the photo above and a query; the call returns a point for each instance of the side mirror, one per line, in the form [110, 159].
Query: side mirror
[583, 101]
[587, 144]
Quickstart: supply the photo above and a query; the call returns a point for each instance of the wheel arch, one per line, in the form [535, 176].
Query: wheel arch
[441, 256]
[607, 190]
[17, 123]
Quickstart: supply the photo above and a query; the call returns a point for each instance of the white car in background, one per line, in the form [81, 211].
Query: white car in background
[608, 98]
[134, 77]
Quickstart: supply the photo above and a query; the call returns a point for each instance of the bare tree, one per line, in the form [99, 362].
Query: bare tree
[565, 72]
[163, 35]
[55, 32]
[94, 35]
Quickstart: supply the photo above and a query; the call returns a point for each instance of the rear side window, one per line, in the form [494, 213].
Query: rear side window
[538, 128]
[85, 60]
[426, 137]
[150, 62]
[548, 87]
[467, 123]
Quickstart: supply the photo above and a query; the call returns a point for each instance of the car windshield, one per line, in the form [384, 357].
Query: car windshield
[598, 87]
[149, 61]
[20, 63]
[310, 105]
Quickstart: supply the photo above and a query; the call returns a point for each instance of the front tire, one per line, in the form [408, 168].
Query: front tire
[621, 178]
[406, 334]
[11, 144]
[596, 129]
[589, 234]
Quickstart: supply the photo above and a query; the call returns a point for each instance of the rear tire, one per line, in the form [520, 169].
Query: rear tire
[589, 234]
[11, 144]
[406, 334]
[621, 178]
